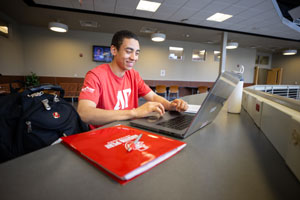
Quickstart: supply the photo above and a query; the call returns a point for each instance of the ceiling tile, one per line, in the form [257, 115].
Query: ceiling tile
[174, 2]
[249, 13]
[233, 10]
[203, 15]
[228, 1]
[197, 4]
[207, 23]
[141, 13]
[268, 15]
[126, 6]
[238, 26]
[124, 11]
[265, 6]
[161, 16]
[249, 3]
[223, 25]
[183, 13]
[216, 6]
[165, 10]
[105, 5]
[253, 16]
[235, 20]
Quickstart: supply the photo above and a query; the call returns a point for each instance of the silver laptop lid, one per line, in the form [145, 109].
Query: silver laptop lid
[214, 101]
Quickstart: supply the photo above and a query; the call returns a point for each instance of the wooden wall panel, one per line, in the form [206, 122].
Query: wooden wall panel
[185, 87]
[10, 79]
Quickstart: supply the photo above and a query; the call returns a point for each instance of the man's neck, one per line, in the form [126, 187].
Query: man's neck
[116, 69]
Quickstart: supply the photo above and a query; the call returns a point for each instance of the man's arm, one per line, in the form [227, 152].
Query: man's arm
[96, 116]
[177, 104]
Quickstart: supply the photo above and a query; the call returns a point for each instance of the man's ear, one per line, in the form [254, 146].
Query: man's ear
[113, 50]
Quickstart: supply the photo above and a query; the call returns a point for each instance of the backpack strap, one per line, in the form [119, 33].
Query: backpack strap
[40, 88]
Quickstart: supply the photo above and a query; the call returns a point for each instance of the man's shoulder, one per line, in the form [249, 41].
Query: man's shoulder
[100, 68]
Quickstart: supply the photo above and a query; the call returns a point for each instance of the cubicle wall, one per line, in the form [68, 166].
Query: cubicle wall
[279, 119]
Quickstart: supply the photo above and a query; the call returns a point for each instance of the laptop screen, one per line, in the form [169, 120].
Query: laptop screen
[214, 101]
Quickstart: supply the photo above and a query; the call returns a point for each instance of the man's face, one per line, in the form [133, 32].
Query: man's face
[128, 53]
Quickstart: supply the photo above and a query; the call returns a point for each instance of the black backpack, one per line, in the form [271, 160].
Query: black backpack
[33, 119]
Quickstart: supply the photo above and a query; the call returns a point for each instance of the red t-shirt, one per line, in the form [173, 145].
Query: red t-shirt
[111, 92]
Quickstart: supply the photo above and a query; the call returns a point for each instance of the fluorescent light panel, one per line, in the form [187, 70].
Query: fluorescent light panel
[148, 6]
[219, 17]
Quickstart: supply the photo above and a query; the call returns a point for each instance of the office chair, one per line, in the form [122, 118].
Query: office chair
[174, 90]
[161, 90]
[202, 89]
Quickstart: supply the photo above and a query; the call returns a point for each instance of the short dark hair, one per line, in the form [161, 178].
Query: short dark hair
[119, 36]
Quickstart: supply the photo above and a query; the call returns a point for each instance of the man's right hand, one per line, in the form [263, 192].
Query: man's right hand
[149, 107]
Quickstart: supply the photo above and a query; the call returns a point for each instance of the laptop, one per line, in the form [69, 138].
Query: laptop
[182, 125]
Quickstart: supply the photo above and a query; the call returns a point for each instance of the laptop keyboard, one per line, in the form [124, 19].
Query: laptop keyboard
[180, 122]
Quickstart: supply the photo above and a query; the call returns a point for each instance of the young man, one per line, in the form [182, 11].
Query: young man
[111, 91]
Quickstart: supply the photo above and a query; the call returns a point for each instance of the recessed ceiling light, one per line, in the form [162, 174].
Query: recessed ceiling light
[58, 27]
[219, 17]
[158, 37]
[148, 6]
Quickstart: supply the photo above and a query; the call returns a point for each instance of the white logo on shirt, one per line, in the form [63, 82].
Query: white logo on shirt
[122, 99]
[87, 89]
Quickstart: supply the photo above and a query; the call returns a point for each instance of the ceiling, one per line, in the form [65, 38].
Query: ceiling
[176, 18]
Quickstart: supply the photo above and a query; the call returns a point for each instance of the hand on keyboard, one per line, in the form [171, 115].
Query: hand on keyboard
[179, 105]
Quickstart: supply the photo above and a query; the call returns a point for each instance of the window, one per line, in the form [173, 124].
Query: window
[4, 28]
[262, 60]
[217, 56]
[198, 55]
[176, 53]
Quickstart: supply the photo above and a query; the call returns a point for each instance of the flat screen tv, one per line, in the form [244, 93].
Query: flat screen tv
[102, 54]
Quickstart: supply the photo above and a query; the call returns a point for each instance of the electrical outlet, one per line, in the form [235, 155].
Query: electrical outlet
[162, 72]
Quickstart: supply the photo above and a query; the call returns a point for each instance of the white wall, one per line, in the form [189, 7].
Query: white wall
[49, 53]
[11, 50]
[154, 57]
[291, 68]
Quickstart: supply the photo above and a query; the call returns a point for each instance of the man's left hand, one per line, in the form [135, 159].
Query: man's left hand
[178, 105]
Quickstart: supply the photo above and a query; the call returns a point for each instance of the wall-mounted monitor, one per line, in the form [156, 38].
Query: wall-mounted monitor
[102, 54]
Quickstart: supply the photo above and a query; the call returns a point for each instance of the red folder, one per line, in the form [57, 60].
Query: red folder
[107, 149]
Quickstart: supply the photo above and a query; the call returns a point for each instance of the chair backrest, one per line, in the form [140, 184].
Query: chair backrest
[173, 89]
[4, 88]
[160, 89]
[202, 89]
